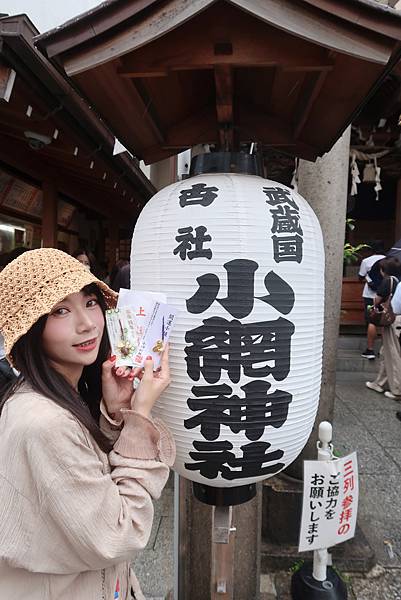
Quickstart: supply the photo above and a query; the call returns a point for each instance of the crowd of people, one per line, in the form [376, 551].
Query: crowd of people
[382, 292]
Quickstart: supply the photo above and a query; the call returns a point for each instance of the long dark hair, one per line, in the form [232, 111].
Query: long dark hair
[34, 368]
[391, 266]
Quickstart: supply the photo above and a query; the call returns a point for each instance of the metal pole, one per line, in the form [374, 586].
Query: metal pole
[324, 452]
[222, 580]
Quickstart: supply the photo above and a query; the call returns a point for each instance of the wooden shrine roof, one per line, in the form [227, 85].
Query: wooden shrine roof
[79, 157]
[169, 74]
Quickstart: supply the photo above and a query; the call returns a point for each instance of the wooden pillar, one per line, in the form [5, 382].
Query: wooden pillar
[114, 243]
[397, 227]
[49, 215]
[196, 549]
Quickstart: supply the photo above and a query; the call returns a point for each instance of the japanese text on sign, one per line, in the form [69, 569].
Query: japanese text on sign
[330, 502]
[288, 235]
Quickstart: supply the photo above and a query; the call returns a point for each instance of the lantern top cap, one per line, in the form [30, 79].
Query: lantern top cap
[226, 162]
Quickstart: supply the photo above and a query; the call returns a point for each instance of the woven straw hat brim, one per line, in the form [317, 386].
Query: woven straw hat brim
[22, 313]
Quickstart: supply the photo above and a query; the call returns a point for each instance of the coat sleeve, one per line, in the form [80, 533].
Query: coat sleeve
[90, 519]
[110, 427]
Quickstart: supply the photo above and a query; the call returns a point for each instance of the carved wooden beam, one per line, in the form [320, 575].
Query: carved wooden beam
[223, 77]
[310, 90]
[7, 79]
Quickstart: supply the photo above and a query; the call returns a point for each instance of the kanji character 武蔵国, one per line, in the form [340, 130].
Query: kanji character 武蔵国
[277, 195]
[287, 248]
[285, 220]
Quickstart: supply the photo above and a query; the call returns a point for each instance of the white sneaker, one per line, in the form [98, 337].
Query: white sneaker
[392, 396]
[374, 386]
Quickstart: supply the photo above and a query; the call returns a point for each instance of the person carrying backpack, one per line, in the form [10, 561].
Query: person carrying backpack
[369, 272]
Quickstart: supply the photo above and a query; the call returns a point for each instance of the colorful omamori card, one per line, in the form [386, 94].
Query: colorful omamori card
[140, 326]
[124, 335]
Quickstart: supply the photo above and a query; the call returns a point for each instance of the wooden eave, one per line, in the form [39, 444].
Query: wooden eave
[81, 159]
[182, 70]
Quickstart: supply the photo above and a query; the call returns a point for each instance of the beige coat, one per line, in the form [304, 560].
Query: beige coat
[72, 517]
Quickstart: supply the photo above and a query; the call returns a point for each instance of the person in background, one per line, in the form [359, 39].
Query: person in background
[115, 270]
[396, 306]
[122, 279]
[84, 258]
[390, 353]
[368, 293]
[89, 261]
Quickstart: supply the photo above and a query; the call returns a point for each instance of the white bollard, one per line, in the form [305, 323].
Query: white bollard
[321, 558]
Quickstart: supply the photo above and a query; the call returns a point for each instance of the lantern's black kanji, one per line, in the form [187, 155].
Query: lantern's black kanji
[186, 240]
[199, 193]
[251, 413]
[259, 349]
[277, 195]
[240, 290]
[214, 458]
[287, 248]
[285, 220]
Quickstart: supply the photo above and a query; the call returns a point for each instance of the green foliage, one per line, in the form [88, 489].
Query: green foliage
[346, 578]
[351, 253]
[298, 564]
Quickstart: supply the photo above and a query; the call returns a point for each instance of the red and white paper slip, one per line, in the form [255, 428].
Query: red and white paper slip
[330, 502]
[141, 303]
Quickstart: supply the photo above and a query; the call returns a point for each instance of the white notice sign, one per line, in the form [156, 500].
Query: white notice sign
[330, 502]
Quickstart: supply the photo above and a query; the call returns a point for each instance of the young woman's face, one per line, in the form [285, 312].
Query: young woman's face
[73, 332]
[84, 260]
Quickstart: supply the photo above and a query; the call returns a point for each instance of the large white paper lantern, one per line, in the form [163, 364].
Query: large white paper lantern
[241, 258]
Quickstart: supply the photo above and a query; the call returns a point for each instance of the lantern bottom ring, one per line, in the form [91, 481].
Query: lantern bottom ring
[224, 496]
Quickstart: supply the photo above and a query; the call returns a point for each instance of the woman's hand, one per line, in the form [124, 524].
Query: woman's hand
[152, 385]
[117, 386]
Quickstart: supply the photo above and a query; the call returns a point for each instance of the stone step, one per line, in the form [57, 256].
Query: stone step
[351, 360]
[355, 342]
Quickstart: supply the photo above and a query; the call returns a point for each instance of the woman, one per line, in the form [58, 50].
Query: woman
[390, 353]
[78, 473]
[83, 257]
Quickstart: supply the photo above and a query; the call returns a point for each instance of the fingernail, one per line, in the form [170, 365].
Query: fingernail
[119, 371]
[112, 358]
[149, 357]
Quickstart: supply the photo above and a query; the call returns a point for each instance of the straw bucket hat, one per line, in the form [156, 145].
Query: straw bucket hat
[33, 283]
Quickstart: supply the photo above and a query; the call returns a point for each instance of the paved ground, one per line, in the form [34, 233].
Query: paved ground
[364, 421]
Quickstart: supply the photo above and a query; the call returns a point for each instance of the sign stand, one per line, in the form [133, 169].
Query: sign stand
[319, 582]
